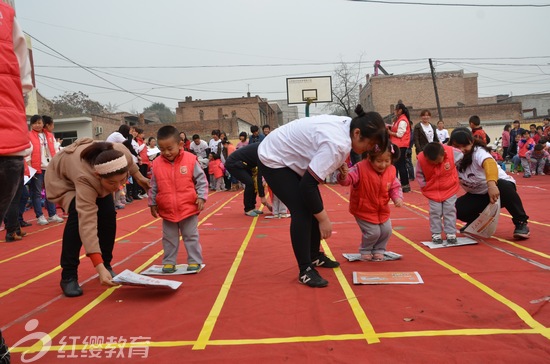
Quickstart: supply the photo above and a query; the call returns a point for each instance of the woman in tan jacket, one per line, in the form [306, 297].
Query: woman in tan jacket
[82, 179]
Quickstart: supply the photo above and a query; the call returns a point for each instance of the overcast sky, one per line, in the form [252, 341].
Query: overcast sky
[164, 50]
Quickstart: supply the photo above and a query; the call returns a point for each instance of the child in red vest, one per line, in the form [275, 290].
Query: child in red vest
[178, 192]
[373, 182]
[525, 145]
[438, 179]
[216, 171]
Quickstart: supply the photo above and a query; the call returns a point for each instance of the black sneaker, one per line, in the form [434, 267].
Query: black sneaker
[5, 356]
[310, 277]
[463, 229]
[406, 188]
[70, 287]
[324, 262]
[23, 223]
[521, 231]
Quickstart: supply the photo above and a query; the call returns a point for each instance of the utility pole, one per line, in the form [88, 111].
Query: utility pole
[435, 90]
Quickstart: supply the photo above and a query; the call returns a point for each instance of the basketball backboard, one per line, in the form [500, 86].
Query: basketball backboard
[317, 89]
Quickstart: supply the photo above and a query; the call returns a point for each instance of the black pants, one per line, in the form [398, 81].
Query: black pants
[11, 174]
[12, 216]
[304, 227]
[245, 176]
[106, 231]
[469, 206]
[401, 166]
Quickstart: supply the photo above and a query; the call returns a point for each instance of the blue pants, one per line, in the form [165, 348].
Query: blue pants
[36, 185]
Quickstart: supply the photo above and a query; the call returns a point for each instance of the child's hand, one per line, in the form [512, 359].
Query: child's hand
[343, 171]
[200, 204]
[398, 202]
[154, 211]
[266, 203]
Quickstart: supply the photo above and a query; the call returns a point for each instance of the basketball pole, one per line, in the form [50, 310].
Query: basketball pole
[308, 102]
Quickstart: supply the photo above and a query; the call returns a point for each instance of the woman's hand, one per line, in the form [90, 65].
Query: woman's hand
[343, 171]
[155, 211]
[266, 203]
[494, 193]
[105, 277]
[143, 182]
[325, 226]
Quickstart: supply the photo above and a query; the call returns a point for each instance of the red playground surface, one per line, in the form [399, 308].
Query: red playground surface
[482, 303]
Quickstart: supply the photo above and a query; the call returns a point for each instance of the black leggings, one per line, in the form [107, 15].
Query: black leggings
[401, 166]
[469, 206]
[304, 227]
[11, 174]
[106, 232]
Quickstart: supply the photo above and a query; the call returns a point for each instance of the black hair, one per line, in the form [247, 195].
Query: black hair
[47, 120]
[184, 133]
[474, 119]
[433, 150]
[215, 132]
[124, 129]
[391, 148]
[102, 152]
[507, 127]
[539, 147]
[404, 110]
[524, 131]
[533, 125]
[214, 155]
[463, 136]
[167, 132]
[516, 122]
[139, 130]
[540, 127]
[243, 134]
[149, 140]
[254, 128]
[371, 126]
[266, 126]
[35, 119]
[196, 136]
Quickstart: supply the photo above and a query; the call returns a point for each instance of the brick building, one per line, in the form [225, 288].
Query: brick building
[233, 115]
[455, 88]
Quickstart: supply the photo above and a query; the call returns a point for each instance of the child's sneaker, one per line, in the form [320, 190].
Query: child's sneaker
[193, 267]
[451, 239]
[521, 231]
[310, 277]
[55, 218]
[436, 239]
[169, 268]
[42, 220]
[325, 262]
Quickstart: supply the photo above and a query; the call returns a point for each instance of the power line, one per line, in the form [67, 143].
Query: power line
[455, 5]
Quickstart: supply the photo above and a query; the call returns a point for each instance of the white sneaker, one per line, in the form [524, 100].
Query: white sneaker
[42, 220]
[143, 196]
[55, 218]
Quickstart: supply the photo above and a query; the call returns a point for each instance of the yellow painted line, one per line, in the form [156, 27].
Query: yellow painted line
[358, 312]
[208, 326]
[516, 245]
[530, 221]
[282, 340]
[519, 311]
[55, 241]
[32, 280]
[110, 290]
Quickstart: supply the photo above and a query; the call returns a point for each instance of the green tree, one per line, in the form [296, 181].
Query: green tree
[75, 103]
[162, 111]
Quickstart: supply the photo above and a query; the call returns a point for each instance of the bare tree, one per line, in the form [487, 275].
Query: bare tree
[345, 88]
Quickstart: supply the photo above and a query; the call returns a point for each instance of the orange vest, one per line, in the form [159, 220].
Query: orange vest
[13, 121]
[215, 168]
[369, 200]
[441, 179]
[36, 156]
[176, 194]
[405, 140]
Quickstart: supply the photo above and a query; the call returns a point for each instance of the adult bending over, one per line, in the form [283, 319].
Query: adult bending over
[82, 178]
[298, 156]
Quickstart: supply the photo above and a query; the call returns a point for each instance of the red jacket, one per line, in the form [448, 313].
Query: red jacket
[143, 153]
[441, 179]
[176, 194]
[215, 168]
[369, 200]
[525, 146]
[480, 134]
[405, 140]
[13, 121]
[36, 156]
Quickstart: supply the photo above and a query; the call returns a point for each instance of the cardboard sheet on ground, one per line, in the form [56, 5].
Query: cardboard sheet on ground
[460, 242]
[352, 257]
[387, 278]
[129, 278]
[486, 223]
[156, 270]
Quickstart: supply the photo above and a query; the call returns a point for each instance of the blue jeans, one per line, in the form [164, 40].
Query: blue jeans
[35, 187]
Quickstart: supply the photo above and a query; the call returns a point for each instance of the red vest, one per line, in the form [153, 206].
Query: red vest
[524, 148]
[480, 134]
[405, 140]
[441, 179]
[36, 157]
[13, 120]
[215, 168]
[176, 194]
[369, 200]
[143, 153]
